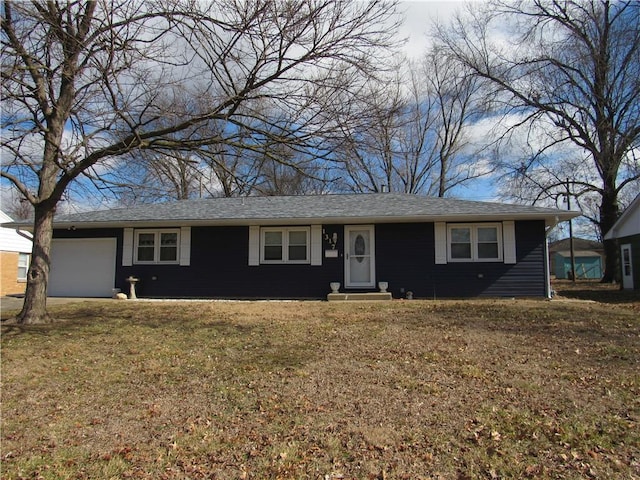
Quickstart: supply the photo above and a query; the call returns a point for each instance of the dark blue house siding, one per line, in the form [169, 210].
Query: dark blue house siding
[405, 258]
[495, 279]
[220, 269]
[525, 278]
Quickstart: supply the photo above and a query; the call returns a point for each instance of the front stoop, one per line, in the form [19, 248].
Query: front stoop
[332, 297]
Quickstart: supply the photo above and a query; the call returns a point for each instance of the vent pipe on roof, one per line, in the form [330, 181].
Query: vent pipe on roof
[384, 188]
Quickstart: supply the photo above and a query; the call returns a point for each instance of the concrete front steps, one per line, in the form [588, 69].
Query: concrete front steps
[337, 297]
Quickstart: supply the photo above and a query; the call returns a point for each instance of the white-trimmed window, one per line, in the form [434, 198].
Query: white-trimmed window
[481, 242]
[157, 246]
[23, 266]
[284, 245]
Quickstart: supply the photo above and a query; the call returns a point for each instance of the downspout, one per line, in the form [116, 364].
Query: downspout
[547, 267]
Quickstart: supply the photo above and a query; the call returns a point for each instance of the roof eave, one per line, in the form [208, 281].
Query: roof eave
[612, 234]
[551, 219]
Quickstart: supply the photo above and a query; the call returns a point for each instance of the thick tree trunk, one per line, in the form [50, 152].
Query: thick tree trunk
[34, 309]
[609, 213]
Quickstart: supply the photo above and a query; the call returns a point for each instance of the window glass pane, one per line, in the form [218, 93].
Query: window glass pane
[273, 252]
[146, 243]
[298, 238]
[273, 245]
[145, 239]
[22, 273]
[461, 242]
[297, 245]
[487, 250]
[487, 234]
[488, 242]
[145, 254]
[23, 259]
[168, 239]
[460, 250]
[297, 252]
[168, 254]
[168, 247]
[23, 265]
[460, 235]
[273, 238]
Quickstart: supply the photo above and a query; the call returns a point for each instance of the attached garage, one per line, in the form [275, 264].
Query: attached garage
[82, 267]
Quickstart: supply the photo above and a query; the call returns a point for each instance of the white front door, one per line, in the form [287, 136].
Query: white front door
[359, 256]
[627, 266]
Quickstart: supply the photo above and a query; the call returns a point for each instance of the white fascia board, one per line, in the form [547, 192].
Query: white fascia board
[550, 220]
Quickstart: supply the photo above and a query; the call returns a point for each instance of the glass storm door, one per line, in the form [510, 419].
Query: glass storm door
[627, 266]
[359, 256]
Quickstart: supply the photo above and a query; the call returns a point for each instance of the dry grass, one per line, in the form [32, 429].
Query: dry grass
[391, 390]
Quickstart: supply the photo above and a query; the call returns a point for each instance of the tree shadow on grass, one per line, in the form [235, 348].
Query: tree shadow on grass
[101, 318]
[603, 296]
[595, 291]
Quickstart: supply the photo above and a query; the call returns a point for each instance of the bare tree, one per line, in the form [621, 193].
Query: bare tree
[458, 102]
[86, 82]
[150, 177]
[412, 135]
[570, 68]
[270, 152]
[15, 207]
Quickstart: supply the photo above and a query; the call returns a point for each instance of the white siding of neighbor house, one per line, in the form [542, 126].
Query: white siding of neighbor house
[629, 222]
[12, 241]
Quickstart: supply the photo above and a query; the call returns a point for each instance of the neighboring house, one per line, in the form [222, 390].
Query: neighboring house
[294, 247]
[588, 255]
[627, 233]
[15, 251]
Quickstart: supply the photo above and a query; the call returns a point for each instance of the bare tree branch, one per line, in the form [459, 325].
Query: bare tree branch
[84, 82]
[572, 69]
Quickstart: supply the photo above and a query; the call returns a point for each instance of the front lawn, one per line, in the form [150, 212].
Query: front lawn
[266, 390]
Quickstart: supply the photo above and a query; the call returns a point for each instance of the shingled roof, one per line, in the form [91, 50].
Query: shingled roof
[336, 208]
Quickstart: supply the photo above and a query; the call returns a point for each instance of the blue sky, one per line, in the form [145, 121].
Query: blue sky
[418, 20]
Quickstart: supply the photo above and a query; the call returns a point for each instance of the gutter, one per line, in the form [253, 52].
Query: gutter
[25, 234]
[547, 267]
[550, 221]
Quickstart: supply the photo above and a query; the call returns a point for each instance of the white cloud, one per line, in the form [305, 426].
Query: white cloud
[419, 17]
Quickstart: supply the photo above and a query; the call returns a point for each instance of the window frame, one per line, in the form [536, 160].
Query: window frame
[157, 247]
[474, 241]
[27, 256]
[285, 231]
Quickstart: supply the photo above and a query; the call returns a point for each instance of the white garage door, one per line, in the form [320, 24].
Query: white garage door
[82, 267]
